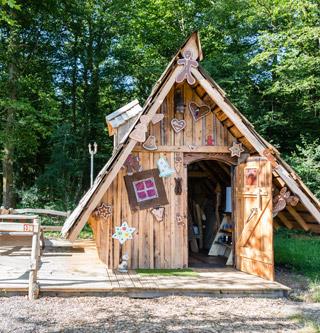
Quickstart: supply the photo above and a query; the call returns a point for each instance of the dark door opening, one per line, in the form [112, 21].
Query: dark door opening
[210, 228]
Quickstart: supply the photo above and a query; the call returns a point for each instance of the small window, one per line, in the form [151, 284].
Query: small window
[145, 189]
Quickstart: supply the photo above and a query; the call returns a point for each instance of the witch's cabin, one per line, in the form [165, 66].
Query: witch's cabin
[190, 181]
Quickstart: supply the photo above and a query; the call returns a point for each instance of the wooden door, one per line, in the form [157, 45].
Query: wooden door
[253, 217]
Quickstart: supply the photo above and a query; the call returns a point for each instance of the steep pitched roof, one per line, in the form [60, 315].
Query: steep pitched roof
[91, 199]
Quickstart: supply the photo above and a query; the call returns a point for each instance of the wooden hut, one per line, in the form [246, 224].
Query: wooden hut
[190, 179]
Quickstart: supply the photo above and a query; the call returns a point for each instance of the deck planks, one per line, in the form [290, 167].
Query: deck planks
[72, 269]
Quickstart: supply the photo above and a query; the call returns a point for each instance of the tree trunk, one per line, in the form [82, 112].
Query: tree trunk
[8, 145]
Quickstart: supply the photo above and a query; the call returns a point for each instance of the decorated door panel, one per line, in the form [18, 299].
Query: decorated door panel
[253, 218]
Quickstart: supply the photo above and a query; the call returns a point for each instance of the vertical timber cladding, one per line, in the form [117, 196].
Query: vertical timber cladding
[253, 217]
[159, 244]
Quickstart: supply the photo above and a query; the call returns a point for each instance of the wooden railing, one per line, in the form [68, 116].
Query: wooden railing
[26, 225]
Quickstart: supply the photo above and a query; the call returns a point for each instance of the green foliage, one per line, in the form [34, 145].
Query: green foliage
[306, 161]
[65, 64]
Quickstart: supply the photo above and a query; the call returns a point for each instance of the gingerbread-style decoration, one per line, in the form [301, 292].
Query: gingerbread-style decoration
[178, 186]
[123, 233]
[268, 153]
[210, 140]
[132, 164]
[198, 111]
[187, 63]
[157, 118]
[150, 143]
[164, 168]
[178, 125]
[236, 149]
[139, 132]
[282, 199]
[158, 213]
[104, 211]
[179, 219]
[178, 161]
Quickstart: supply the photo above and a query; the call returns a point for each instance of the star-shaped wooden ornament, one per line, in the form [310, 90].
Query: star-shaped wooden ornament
[104, 211]
[123, 233]
[236, 149]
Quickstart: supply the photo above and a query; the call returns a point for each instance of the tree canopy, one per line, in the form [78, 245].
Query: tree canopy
[65, 64]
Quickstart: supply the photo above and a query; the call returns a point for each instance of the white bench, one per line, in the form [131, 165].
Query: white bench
[26, 225]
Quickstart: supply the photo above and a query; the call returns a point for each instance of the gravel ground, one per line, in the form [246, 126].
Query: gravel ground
[167, 314]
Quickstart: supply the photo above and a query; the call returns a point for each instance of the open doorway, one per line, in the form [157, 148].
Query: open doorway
[210, 227]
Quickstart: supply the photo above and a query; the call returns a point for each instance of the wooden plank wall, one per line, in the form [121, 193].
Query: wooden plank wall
[158, 244]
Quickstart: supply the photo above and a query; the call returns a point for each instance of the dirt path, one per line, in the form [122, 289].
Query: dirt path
[168, 314]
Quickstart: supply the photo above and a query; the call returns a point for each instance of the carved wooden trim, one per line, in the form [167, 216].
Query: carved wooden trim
[222, 157]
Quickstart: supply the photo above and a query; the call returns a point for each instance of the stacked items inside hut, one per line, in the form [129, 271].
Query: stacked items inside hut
[209, 212]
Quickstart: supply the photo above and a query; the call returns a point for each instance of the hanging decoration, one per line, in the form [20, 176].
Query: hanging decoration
[209, 140]
[178, 125]
[157, 118]
[178, 101]
[178, 162]
[150, 143]
[282, 199]
[187, 62]
[104, 211]
[158, 213]
[145, 190]
[192, 147]
[178, 186]
[123, 267]
[198, 111]
[164, 168]
[250, 176]
[139, 132]
[132, 164]
[123, 233]
[236, 149]
[179, 219]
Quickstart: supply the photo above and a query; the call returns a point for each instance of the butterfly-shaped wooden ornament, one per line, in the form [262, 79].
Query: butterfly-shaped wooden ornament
[158, 213]
[198, 111]
[281, 200]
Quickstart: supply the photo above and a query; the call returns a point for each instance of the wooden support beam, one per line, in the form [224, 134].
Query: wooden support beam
[276, 224]
[228, 110]
[187, 149]
[284, 220]
[298, 218]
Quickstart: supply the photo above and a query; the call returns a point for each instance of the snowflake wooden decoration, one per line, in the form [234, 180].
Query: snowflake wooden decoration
[123, 233]
[104, 211]
[236, 149]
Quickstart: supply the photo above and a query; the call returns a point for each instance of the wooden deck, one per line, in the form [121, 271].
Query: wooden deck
[68, 269]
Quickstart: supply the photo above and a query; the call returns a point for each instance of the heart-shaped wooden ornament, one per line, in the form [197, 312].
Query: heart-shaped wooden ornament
[178, 125]
[150, 143]
[198, 111]
[158, 213]
[157, 118]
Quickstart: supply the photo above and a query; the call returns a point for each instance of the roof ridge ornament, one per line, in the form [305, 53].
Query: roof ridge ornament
[187, 62]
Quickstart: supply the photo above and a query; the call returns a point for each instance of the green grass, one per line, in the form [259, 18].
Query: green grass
[167, 272]
[300, 252]
[310, 325]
